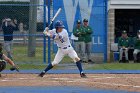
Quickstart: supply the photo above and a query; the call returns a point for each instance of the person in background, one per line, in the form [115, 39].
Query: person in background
[88, 39]
[124, 44]
[79, 44]
[8, 27]
[23, 32]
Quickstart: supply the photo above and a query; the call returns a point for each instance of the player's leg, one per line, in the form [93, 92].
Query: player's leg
[121, 53]
[72, 54]
[7, 47]
[135, 55]
[126, 54]
[77, 48]
[89, 49]
[11, 48]
[82, 51]
[58, 57]
[136, 51]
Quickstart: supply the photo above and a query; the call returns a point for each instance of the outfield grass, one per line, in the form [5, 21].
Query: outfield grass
[20, 55]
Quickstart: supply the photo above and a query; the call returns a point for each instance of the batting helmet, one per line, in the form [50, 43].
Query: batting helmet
[59, 24]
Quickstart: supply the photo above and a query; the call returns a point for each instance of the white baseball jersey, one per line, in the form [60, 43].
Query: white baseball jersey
[64, 46]
[61, 38]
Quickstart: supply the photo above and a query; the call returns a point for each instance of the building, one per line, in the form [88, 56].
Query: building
[122, 15]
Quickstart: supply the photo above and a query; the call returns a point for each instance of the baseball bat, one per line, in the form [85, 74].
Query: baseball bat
[57, 13]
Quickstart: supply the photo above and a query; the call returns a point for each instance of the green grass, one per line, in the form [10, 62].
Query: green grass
[116, 66]
[20, 55]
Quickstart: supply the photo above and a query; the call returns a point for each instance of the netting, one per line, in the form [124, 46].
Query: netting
[22, 24]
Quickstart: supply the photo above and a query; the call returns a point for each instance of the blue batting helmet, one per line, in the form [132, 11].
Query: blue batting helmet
[59, 24]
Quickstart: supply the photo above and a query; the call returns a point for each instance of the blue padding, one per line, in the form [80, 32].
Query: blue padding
[72, 71]
[57, 89]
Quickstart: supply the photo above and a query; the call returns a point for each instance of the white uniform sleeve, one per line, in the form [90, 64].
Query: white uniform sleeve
[53, 33]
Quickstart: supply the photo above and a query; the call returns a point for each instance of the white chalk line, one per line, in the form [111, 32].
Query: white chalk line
[115, 84]
[104, 77]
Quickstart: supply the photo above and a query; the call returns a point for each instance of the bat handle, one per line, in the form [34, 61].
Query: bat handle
[50, 24]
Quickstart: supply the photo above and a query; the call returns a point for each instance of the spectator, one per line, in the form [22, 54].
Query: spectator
[79, 44]
[8, 26]
[124, 44]
[23, 32]
[136, 46]
[88, 39]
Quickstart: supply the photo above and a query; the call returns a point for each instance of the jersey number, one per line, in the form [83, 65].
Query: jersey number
[62, 40]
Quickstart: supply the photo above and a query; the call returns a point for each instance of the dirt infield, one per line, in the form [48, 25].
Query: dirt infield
[129, 82]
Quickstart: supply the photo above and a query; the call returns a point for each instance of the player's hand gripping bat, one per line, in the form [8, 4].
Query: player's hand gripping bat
[47, 28]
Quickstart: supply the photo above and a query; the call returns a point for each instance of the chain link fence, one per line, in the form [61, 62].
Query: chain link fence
[21, 29]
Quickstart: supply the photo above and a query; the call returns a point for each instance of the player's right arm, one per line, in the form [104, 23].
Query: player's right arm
[8, 60]
[46, 32]
[49, 33]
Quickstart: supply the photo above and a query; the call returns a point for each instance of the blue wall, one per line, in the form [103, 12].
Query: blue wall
[94, 10]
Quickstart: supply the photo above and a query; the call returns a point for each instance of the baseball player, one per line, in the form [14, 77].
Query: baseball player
[61, 38]
[124, 45]
[4, 59]
[88, 39]
[79, 44]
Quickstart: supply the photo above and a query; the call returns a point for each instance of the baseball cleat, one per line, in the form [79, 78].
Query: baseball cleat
[41, 74]
[83, 75]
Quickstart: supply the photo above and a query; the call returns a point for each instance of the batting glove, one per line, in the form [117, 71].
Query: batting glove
[46, 32]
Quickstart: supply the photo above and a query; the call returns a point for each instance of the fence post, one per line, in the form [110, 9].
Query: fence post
[49, 41]
[44, 41]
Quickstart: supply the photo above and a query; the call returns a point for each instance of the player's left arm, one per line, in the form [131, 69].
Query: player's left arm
[50, 33]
